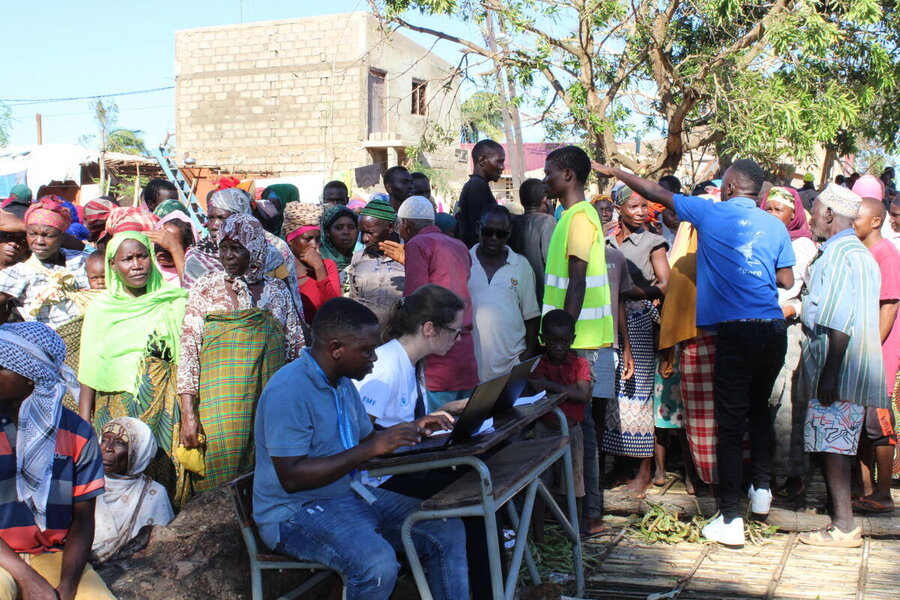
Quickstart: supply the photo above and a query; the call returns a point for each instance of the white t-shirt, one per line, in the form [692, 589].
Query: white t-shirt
[389, 392]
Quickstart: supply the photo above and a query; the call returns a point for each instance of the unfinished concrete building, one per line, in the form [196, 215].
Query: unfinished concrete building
[318, 95]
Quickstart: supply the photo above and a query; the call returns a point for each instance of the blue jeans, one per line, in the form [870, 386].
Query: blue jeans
[435, 400]
[360, 540]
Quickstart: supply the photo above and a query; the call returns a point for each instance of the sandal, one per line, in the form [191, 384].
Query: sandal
[832, 537]
[871, 505]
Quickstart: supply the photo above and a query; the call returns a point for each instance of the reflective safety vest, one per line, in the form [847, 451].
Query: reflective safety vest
[594, 328]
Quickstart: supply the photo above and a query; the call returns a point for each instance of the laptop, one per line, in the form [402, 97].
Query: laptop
[478, 409]
[518, 379]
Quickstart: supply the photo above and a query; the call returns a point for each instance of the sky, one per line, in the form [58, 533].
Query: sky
[95, 47]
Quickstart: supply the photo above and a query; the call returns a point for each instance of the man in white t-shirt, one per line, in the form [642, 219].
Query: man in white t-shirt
[501, 284]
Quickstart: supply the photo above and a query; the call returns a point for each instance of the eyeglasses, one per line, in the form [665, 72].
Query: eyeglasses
[497, 233]
[457, 333]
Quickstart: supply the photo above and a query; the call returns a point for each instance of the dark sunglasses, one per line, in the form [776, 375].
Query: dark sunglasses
[496, 233]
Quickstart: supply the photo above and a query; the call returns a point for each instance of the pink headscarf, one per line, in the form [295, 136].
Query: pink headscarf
[177, 215]
[50, 212]
[129, 218]
[798, 227]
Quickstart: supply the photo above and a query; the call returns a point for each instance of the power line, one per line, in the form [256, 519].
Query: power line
[88, 112]
[29, 101]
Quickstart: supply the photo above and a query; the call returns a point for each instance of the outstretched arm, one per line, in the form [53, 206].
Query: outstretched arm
[648, 189]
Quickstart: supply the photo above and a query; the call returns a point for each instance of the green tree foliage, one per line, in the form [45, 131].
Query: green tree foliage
[481, 117]
[5, 124]
[765, 80]
[112, 138]
[128, 141]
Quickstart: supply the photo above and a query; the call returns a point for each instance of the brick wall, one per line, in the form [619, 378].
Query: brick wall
[290, 96]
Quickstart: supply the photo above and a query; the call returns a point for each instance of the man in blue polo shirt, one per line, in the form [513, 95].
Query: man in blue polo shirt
[311, 433]
[744, 254]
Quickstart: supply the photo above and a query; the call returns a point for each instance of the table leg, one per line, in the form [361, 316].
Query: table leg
[521, 540]
[415, 565]
[529, 557]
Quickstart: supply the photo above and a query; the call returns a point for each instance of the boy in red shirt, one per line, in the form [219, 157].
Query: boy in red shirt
[562, 371]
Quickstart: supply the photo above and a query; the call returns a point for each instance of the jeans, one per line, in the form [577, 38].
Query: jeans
[603, 363]
[425, 484]
[360, 540]
[593, 470]
[749, 355]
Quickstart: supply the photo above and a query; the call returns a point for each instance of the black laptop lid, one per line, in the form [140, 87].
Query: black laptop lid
[518, 379]
[478, 409]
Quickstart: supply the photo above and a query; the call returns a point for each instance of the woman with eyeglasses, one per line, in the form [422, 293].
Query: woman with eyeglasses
[428, 322]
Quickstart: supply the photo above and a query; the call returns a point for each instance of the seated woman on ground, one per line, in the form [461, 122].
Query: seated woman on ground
[131, 499]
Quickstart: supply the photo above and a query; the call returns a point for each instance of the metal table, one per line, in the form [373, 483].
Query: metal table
[492, 482]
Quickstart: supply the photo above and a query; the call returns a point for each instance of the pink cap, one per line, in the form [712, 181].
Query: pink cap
[869, 186]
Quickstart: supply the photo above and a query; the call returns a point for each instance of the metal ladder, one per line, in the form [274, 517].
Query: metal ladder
[185, 195]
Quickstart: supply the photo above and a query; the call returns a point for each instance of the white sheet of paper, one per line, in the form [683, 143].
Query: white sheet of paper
[530, 399]
[486, 427]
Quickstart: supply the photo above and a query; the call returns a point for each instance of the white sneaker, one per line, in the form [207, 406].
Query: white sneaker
[760, 501]
[728, 534]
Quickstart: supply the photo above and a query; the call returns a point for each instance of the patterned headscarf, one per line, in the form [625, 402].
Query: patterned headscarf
[35, 351]
[622, 195]
[98, 209]
[141, 445]
[798, 227]
[233, 200]
[129, 218]
[169, 206]
[48, 211]
[249, 233]
[301, 214]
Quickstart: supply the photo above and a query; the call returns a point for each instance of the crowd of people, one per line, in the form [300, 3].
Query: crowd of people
[145, 359]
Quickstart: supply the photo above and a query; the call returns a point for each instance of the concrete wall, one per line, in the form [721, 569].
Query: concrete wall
[290, 96]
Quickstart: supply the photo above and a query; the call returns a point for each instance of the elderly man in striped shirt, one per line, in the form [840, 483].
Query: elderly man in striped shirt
[842, 362]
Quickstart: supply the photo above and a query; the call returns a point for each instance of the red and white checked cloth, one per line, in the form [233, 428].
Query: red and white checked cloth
[698, 358]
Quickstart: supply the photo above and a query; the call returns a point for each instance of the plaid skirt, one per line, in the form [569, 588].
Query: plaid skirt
[241, 351]
[698, 358]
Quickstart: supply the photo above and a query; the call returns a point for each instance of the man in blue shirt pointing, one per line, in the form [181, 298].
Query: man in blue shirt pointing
[744, 254]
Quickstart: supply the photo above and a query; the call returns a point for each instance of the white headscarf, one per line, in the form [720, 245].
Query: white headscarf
[131, 500]
[35, 351]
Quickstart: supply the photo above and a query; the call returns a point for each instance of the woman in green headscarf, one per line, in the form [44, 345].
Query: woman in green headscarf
[130, 349]
[270, 207]
[339, 233]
